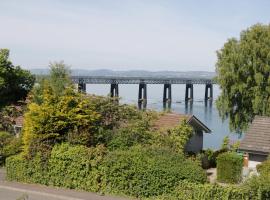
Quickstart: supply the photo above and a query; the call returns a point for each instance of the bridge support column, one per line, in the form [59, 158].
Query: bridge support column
[82, 87]
[167, 93]
[142, 97]
[189, 92]
[208, 96]
[114, 90]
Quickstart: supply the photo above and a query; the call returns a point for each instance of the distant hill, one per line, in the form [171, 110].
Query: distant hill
[133, 73]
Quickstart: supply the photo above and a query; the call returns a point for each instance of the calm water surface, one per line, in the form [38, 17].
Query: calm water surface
[207, 114]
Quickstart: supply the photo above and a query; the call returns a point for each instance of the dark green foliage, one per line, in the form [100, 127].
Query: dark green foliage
[243, 70]
[229, 167]
[144, 172]
[15, 83]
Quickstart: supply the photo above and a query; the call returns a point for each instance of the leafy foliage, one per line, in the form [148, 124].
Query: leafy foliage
[58, 119]
[15, 83]
[144, 172]
[243, 75]
[195, 191]
[264, 167]
[9, 145]
[229, 167]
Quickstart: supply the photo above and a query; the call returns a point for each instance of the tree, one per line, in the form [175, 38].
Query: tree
[59, 77]
[15, 83]
[58, 80]
[243, 70]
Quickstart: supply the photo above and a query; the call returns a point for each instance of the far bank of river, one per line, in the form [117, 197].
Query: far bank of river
[207, 114]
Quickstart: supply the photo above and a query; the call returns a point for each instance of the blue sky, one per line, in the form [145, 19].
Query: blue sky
[125, 34]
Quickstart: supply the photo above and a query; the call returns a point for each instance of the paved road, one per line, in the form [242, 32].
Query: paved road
[20, 191]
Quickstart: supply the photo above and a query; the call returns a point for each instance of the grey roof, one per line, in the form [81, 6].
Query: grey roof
[257, 138]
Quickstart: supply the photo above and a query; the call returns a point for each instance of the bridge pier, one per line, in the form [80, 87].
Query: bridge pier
[167, 93]
[189, 92]
[114, 90]
[82, 87]
[142, 97]
[208, 87]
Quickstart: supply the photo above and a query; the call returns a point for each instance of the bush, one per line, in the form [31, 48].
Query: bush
[194, 191]
[144, 172]
[76, 167]
[9, 145]
[209, 157]
[229, 167]
[264, 167]
[259, 186]
[68, 166]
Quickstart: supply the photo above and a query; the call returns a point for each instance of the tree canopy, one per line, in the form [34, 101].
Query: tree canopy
[243, 69]
[15, 83]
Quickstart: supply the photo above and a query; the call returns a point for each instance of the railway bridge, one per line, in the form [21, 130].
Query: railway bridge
[81, 81]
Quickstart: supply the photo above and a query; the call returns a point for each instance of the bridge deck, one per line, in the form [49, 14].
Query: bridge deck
[138, 80]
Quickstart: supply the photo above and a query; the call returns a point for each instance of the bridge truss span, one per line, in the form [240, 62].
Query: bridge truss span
[138, 80]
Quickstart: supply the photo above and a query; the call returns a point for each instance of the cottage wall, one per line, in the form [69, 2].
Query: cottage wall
[195, 143]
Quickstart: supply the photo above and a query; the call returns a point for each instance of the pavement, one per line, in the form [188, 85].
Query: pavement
[22, 191]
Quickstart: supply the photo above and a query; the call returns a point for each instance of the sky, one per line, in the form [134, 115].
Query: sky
[178, 35]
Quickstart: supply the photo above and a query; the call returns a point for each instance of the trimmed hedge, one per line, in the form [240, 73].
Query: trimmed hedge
[194, 191]
[139, 171]
[144, 172]
[229, 167]
[74, 167]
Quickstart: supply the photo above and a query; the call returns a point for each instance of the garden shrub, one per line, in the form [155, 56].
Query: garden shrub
[259, 186]
[29, 171]
[229, 167]
[144, 172]
[9, 145]
[76, 167]
[195, 191]
[264, 167]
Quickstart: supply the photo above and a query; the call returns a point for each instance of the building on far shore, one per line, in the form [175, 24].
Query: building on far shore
[256, 141]
[171, 120]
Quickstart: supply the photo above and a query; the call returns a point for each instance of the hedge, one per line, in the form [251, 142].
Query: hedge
[256, 188]
[144, 172]
[138, 172]
[229, 167]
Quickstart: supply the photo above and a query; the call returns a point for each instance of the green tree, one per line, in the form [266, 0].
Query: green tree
[59, 77]
[58, 80]
[15, 83]
[243, 70]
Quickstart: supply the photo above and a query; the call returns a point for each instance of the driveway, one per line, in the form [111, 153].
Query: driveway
[21, 191]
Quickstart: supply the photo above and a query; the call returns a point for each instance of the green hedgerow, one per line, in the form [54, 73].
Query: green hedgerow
[147, 171]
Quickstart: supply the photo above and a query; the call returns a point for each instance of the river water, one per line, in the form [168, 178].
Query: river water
[208, 114]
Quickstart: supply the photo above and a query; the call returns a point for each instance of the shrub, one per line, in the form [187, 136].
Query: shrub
[68, 166]
[259, 186]
[229, 167]
[144, 172]
[264, 167]
[76, 167]
[195, 191]
[9, 145]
